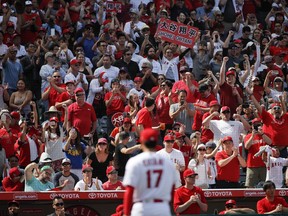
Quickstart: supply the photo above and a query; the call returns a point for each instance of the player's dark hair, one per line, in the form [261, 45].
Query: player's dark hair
[57, 197]
[268, 185]
[123, 135]
[150, 144]
[149, 101]
[182, 90]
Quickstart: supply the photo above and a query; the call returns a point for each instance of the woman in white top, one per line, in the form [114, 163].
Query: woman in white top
[88, 183]
[201, 166]
[53, 137]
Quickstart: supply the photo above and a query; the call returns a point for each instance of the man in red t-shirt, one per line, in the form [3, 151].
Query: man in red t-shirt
[55, 89]
[30, 23]
[228, 159]
[189, 199]
[203, 97]
[113, 183]
[271, 204]
[82, 115]
[275, 123]
[115, 102]
[15, 180]
[256, 169]
[144, 117]
[231, 95]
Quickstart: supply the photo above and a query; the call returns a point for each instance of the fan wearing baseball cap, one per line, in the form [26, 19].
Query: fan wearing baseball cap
[231, 208]
[149, 179]
[75, 74]
[113, 183]
[231, 95]
[228, 159]
[256, 169]
[278, 115]
[15, 180]
[88, 183]
[224, 126]
[174, 155]
[189, 199]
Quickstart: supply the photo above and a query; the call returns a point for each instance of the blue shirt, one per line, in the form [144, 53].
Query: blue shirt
[12, 71]
[75, 156]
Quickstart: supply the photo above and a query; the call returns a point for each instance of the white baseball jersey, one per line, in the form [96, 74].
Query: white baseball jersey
[152, 177]
[176, 157]
[274, 168]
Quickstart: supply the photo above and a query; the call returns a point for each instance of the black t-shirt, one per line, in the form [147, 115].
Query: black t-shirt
[120, 159]
[99, 168]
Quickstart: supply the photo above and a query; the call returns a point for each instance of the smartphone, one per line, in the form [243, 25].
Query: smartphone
[52, 31]
[181, 103]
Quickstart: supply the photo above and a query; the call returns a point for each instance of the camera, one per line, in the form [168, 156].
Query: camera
[256, 127]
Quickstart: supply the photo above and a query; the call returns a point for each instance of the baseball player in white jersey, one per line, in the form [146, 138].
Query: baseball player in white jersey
[149, 180]
[174, 155]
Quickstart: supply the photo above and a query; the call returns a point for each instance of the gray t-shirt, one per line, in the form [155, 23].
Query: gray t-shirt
[183, 117]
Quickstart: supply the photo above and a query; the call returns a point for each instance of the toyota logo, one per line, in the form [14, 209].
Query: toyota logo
[207, 194]
[92, 195]
[52, 195]
[282, 193]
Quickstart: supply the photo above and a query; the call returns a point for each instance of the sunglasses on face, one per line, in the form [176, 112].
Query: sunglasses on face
[102, 144]
[87, 171]
[226, 112]
[59, 204]
[66, 164]
[201, 149]
[192, 176]
[56, 76]
[163, 85]
[79, 95]
[276, 108]
[176, 128]
[160, 78]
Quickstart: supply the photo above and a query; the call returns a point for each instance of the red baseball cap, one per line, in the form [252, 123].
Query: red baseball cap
[230, 202]
[15, 115]
[79, 89]
[189, 172]
[10, 24]
[169, 137]
[149, 134]
[214, 103]
[179, 135]
[70, 81]
[74, 61]
[137, 79]
[102, 140]
[227, 138]
[86, 167]
[274, 105]
[54, 119]
[127, 120]
[224, 108]
[230, 72]
[66, 31]
[110, 169]
[255, 120]
[14, 172]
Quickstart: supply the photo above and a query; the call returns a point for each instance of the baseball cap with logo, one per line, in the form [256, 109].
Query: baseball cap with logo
[15, 115]
[46, 168]
[233, 202]
[102, 140]
[127, 120]
[66, 160]
[149, 134]
[225, 108]
[78, 90]
[227, 138]
[137, 79]
[189, 172]
[214, 103]
[169, 137]
[86, 167]
[125, 69]
[74, 61]
[14, 172]
[110, 169]
[28, 3]
[231, 72]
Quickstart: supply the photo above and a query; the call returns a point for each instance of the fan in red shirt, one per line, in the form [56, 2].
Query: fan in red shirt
[82, 115]
[189, 199]
[207, 134]
[271, 204]
[203, 98]
[113, 183]
[15, 180]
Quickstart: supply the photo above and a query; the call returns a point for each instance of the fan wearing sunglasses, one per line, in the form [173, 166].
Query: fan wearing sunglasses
[274, 121]
[58, 206]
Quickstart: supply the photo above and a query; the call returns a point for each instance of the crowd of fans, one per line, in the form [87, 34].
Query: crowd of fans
[80, 83]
